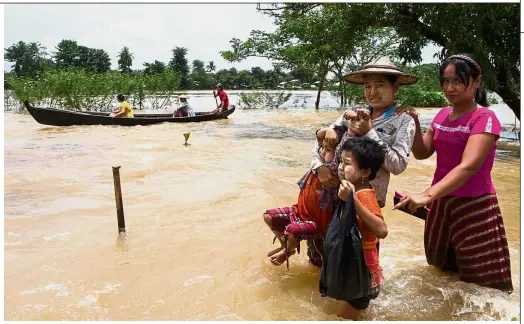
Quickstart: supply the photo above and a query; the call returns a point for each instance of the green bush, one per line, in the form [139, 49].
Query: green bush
[254, 100]
[415, 97]
[79, 89]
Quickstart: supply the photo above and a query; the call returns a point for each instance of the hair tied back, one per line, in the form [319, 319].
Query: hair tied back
[468, 59]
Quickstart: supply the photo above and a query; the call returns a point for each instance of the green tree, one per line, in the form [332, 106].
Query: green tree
[199, 76]
[490, 31]
[180, 65]
[258, 76]
[222, 76]
[309, 40]
[156, 67]
[67, 54]
[211, 67]
[273, 77]
[71, 55]
[302, 75]
[94, 60]
[232, 78]
[125, 60]
[376, 43]
[29, 58]
[244, 80]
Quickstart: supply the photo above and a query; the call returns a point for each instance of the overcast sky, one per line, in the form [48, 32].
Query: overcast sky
[149, 30]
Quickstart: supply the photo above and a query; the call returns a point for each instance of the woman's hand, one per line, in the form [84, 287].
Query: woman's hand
[327, 177]
[363, 114]
[408, 110]
[345, 189]
[413, 202]
[363, 125]
[350, 115]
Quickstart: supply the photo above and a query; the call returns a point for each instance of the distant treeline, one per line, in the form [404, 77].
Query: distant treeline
[77, 76]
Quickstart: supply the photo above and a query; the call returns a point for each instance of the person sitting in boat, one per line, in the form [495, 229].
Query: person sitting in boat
[224, 100]
[124, 108]
[185, 109]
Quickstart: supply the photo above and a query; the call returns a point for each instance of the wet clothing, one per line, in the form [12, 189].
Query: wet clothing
[315, 250]
[368, 198]
[467, 235]
[464, 231]
[395, 133]
[363, 302]
[305, 219]
[286, 220]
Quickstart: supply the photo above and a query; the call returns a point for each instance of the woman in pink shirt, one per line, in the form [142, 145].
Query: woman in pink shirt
[464, 229]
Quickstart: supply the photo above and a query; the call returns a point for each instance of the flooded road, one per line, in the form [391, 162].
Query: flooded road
[196, 242]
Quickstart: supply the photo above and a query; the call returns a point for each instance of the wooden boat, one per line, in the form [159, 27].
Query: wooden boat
[59, 117]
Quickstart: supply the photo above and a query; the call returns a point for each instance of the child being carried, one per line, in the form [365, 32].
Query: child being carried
[306, 219]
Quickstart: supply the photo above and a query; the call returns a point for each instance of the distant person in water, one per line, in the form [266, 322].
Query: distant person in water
[185, 109]
[305, 219]
[224, 100]
[124, 108]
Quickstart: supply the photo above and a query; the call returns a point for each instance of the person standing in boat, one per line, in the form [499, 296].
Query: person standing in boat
[124, 108]
[464, 229]
[224, 100]
[185, 109]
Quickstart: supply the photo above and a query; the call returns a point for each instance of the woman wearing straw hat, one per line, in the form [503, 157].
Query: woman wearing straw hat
[185, 109]
[394, 132]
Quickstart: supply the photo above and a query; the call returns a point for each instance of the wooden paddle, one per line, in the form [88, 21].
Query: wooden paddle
[215, 98]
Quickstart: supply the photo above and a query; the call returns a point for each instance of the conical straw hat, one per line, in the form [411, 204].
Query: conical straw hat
[382, 65]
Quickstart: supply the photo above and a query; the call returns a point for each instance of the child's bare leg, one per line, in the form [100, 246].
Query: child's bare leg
[279, 257]
[269, 223]
[345, 310]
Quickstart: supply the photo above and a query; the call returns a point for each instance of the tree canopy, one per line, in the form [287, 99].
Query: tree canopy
[490, 31]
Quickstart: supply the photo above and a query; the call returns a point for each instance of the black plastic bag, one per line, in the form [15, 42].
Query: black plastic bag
[344, 274]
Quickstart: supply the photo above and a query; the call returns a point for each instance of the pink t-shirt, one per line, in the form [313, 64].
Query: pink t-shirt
[450, 138]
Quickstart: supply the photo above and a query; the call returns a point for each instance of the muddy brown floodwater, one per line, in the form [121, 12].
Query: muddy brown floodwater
[196, 243]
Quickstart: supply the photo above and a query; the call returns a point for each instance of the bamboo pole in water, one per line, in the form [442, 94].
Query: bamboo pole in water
[118, 198]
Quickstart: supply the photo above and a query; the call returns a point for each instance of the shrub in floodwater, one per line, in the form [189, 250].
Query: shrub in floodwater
[186, 137]
[79, 89]
[256, 100]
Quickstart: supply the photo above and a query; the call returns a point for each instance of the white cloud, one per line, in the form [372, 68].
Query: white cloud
[149, 30]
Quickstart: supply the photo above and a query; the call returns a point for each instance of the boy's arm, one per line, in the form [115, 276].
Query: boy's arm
[375, 223]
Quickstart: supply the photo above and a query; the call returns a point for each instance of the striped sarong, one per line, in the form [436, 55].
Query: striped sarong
[466, 235]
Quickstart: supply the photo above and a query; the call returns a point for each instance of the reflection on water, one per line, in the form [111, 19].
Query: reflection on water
[196, 243]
